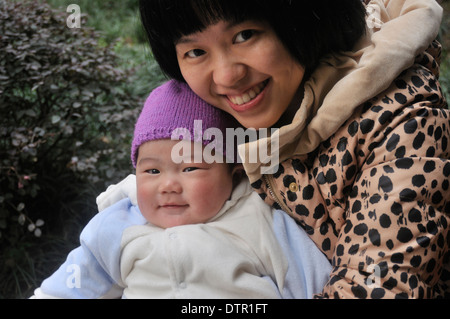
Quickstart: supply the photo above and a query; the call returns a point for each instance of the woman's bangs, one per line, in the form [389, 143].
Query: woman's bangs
[190, 16]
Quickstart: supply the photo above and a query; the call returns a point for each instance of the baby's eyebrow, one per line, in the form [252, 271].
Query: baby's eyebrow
[186, 159]
[148, 159]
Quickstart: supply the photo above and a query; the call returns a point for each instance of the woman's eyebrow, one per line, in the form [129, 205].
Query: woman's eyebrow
[188, 39]
[184, 40]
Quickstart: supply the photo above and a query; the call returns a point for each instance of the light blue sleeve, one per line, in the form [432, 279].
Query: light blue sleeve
[92, 270]
[309, 269]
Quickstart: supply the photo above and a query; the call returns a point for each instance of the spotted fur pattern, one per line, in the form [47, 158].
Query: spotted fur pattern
[375, 197]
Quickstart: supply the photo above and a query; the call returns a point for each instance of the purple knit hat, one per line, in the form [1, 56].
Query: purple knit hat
[174, 106]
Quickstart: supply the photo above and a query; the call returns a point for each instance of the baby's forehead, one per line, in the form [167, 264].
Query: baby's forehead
[182, 151]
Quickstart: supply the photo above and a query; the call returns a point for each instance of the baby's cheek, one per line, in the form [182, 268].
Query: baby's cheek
[145, 202]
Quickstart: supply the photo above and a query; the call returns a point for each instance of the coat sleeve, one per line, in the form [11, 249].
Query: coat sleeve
[395, 239]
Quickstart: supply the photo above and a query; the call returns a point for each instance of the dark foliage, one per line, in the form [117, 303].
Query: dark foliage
[66, 120]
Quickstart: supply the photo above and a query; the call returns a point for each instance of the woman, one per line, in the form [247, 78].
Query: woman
[364, 129]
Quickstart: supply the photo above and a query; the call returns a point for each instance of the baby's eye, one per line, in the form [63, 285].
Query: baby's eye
[190, 169]
[195, 53]
[244, 36]
[152, 171]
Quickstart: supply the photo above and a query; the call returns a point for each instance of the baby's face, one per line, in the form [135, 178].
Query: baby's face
[171, 194]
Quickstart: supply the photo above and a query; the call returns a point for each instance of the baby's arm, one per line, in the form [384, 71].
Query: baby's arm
[92, 270]
[80, 277]
[309, 269]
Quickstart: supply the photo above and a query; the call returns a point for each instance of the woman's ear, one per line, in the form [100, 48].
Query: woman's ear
[237, 174]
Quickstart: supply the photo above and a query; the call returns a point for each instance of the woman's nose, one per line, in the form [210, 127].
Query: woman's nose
[228, 72]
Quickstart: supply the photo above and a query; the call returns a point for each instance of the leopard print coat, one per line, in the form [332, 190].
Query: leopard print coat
[375, 196]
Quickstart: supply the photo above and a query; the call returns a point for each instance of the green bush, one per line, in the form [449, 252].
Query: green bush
[114, 18]
[67, 114]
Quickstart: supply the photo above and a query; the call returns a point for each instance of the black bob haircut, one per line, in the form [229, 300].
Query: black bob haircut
[309, 29]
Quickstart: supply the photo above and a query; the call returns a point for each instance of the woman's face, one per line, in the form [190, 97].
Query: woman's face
[243, 69]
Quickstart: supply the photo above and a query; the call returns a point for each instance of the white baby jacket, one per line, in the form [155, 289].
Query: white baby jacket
[243, 252]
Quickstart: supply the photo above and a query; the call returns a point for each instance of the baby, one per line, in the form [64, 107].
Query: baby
[198, 231]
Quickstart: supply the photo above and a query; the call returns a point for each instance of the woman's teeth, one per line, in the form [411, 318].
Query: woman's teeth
[249, 95]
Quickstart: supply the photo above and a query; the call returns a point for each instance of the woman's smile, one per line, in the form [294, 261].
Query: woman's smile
[249, 99]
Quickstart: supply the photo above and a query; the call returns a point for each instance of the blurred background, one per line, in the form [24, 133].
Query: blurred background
[68, 102]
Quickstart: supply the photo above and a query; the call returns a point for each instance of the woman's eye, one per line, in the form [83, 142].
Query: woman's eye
[195, 53]
[244, 36]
